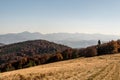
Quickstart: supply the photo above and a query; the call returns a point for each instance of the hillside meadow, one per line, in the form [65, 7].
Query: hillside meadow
[105, 67]
[37, 52]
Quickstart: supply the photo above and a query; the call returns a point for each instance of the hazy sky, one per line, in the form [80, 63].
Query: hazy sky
[50, 16]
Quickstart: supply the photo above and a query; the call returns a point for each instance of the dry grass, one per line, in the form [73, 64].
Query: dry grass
[105, 67]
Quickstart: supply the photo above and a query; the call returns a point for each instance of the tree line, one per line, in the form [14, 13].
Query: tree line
[31, 56]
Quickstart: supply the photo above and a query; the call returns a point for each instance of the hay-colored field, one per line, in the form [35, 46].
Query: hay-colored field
[105, 67]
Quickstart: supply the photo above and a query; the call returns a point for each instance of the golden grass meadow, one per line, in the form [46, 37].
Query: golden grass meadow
[106, 67]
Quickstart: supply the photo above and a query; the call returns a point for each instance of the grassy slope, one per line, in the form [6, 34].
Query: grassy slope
[105, 67]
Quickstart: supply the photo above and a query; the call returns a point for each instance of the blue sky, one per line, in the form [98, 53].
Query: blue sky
[52, 16]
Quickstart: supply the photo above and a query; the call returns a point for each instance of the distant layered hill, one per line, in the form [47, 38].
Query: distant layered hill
[75, 40]
[32, 47]
[19, 37]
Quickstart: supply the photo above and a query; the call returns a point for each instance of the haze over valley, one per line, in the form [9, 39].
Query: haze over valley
[74, 40]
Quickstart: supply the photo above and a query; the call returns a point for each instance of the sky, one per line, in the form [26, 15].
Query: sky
[53, 16]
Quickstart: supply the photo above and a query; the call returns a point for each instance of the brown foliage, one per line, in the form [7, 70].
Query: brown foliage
[90, 52]
[55, 57]
[118, 42]
[87, 52]
[37, 52]
[67, 54]
[28, 53]
[81, 52]
[108, 48]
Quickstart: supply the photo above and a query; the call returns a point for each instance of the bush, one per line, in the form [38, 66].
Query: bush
[108, 48]
[81, 52]
[75, 53]
[67, 54]
[90, 52]
[55, 57]
[31, 63]
[118, 42]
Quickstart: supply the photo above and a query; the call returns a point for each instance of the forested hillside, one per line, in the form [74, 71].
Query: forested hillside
[36, 52]
[26, 54]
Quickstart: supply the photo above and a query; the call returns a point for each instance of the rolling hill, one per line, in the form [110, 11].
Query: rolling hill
[41, 52]
[36, 52]
[27, 54]
[39, 46]
[106, 67]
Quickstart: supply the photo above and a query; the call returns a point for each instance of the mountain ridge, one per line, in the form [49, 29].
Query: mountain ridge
[69, 39]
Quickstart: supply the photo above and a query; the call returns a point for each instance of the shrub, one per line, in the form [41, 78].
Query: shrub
[90, 52]
[108, 48]
[118, 42]
[75, 53]
[67, 54]
[81, 52]
[55, 57]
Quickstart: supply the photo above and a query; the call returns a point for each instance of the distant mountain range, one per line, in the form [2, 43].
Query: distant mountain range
[75, 40]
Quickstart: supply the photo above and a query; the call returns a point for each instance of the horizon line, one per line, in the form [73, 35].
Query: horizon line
[57, 33]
